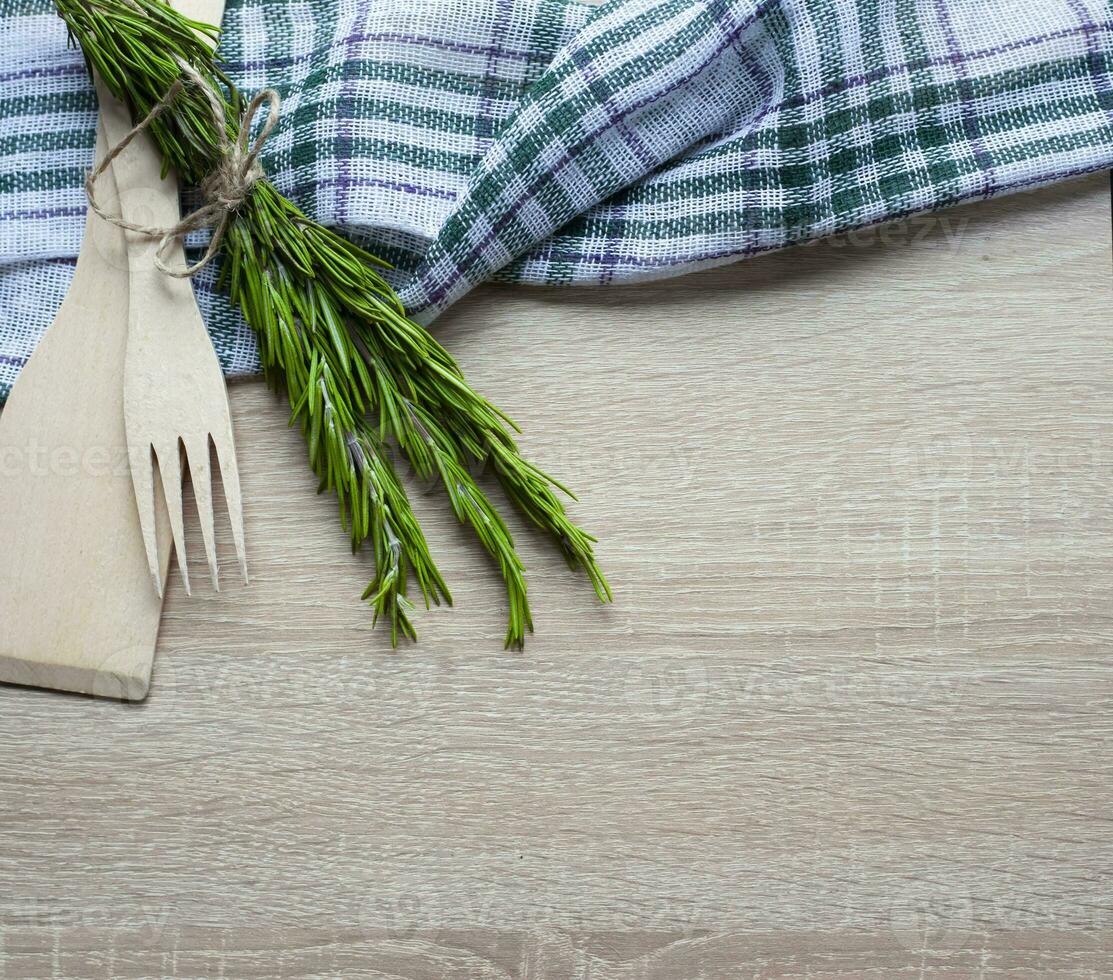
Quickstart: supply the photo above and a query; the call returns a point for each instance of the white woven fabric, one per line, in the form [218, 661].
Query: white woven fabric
[547, 141]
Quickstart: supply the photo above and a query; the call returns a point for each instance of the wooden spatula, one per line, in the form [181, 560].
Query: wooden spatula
[77, 612]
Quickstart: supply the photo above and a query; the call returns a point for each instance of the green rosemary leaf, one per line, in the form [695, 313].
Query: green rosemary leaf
[359, 374]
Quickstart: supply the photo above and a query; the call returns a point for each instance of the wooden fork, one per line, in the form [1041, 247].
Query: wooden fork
[175, 399]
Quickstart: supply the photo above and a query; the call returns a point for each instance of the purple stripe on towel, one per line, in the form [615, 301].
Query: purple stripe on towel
[414, 40]
[966, 92]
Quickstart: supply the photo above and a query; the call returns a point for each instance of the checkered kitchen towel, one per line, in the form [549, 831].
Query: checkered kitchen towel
[548, 141]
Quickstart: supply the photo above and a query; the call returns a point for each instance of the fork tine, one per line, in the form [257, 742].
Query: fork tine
[143, 482]
[170, 470]
[197, 452]
[230, 476]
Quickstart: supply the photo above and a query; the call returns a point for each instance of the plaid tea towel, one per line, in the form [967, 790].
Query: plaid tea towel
[547, 141]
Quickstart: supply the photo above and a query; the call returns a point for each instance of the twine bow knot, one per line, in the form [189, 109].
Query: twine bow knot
[224, 189]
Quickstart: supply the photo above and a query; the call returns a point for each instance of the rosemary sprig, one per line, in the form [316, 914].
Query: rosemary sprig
[359, 373]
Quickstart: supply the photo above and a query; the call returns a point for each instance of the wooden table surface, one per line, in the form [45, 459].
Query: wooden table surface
[851, 714]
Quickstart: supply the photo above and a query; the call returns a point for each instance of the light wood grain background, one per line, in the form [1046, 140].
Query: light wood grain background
[849, 717]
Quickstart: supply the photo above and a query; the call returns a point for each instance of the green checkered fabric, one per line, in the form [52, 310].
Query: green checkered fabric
[547, 141]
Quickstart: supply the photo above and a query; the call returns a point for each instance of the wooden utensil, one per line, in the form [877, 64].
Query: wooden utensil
[175, 399]
[76, 610]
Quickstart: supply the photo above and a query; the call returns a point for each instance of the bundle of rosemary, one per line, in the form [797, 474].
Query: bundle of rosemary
[360, 375]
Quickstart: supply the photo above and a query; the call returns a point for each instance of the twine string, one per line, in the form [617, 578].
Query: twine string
[224, 189]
